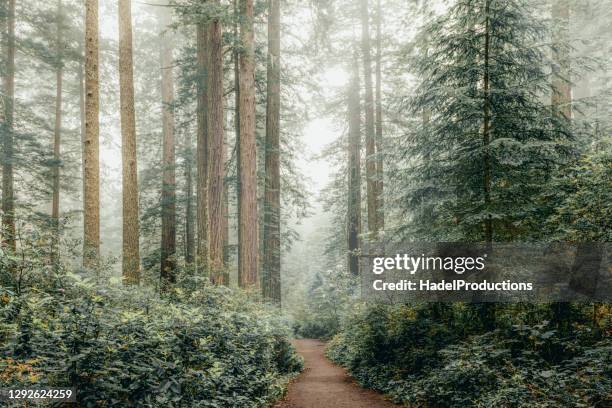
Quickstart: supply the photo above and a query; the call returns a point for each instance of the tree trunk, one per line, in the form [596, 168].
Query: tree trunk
[216, 116]
[379, 127]
[131, 234]
[8, 193]
[271, 239]
[371, 185]
[236, 57]
[91, 235]
[56, 141]
[168, 238]
[189, 224]
[561, 85]
[354, 181]
[486, 134]
[202, 150]
[248, 223]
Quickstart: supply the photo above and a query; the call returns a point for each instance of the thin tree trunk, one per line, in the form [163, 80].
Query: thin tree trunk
[81, 79]
[8, 193]
[168, 238]
[271, 240]
[91, 233]
[248, 223]
[56, 141]
[561, 81]
[354, 182]
[216, 164]
[131, 225]
[202, 150]
[236, 56]
[189, 224]
[379, 127]
[371, 185]
[486, 134]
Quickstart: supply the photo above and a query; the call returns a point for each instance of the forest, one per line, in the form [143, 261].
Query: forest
[191, 191]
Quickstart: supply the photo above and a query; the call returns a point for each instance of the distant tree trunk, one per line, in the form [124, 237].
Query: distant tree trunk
[354, 181]
[379, 126]
[56, 141]
[168, 238]
[236, 57]
[189, 224]
[81, 79]
[131, 225]
[486, 134]
[91, 200]
[216, 165]
[561, 81]
[8, 193]
[371, 185]
[271, 237]
[248, 223]
[202, 150]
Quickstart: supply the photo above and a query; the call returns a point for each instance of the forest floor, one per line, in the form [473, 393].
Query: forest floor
[325, 385]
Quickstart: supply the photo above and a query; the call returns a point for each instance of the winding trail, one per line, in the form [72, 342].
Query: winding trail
[324, 385]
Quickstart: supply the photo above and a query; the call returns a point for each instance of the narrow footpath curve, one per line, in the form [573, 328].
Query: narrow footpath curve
[324, 385]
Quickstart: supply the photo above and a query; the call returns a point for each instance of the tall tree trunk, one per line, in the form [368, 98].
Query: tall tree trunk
[8, 193]
[271, 237]
[354, 182]
[57, 140]
[202, 149]
[168, 238]
[248, 223]
[236, 57]
[486, 134]
[81, 79]
[91, 224]
[379, 126]
[189, 224]
[561, 81]
[371, 185]
[216, 165]
[131, 225]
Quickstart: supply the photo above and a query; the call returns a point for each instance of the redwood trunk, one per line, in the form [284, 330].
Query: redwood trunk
[57, 140]
[131, 225]
[202, 150]
[379, 126]
[248, 224]
[168, 238]
[216, 163]
[271, 239]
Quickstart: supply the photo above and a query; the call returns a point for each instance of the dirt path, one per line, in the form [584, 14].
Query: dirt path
[324, 385]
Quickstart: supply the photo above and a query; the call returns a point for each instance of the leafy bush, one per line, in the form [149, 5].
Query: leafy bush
[424, 358]
[119, 347]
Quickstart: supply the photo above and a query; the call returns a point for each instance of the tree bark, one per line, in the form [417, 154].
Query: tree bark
[379, 126]
[168, 238]
[371, 184]
[248, 223]
[189, 224]
[202, 150]
[271, 237]
[561, 82]
[131, 225]
[216, 165]
[8, 193]
[91, 234]
[486, 134]
[56, 141]
[354, 176]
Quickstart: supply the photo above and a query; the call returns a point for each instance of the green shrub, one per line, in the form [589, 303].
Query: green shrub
[119, 347]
